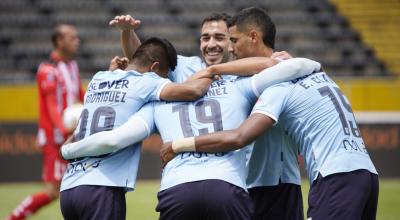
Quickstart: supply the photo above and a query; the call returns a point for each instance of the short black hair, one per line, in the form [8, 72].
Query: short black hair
[216, 17]
[156, 49]
[258, 18]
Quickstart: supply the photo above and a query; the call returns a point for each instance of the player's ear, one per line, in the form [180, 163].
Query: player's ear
[254, 36]
[155, 66]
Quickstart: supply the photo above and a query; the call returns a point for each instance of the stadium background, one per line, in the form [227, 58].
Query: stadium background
[358, 43]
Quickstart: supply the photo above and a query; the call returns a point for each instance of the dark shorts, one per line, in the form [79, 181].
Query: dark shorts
[207, 199]
[280, 202]
[93, 203]
[352, 195]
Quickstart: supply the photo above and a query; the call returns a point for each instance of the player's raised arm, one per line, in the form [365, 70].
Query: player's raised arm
[221, 141]
[133, 131]
[129, 40]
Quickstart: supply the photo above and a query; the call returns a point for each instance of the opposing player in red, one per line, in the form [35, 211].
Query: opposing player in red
[59, 86]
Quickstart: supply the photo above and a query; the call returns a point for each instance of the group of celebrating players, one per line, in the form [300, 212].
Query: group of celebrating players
[233, 123]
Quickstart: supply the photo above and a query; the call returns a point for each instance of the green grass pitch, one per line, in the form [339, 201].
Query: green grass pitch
[141, 203]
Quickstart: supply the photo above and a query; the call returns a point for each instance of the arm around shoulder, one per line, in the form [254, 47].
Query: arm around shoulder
[187, 91]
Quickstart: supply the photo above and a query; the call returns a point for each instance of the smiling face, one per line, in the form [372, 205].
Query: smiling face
[214, 42]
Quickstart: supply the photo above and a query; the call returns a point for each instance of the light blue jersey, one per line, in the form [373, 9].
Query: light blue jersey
[273, 160]
[111, 98]
[317, 115]
[185, 68]
[225, 106]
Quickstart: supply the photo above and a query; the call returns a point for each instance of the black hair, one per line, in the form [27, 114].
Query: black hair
[258, 18]
[216, 17]
[156, 49]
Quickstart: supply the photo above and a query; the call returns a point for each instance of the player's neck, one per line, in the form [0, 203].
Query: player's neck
[60, 55]
[137, 68]
[263, 51]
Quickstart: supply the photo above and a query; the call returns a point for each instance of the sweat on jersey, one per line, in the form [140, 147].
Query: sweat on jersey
[111, 98]
[317, 115]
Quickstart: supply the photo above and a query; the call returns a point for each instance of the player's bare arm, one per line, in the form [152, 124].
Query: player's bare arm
[187, 91]
[129, 40]
[242, 67]
[221, 141]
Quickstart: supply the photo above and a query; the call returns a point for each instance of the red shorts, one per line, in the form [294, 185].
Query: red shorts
[53, 164]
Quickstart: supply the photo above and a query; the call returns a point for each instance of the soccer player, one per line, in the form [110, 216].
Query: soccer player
[319, 118]
[59, 87]
[274, 178]
[94, 188]
[214, 44]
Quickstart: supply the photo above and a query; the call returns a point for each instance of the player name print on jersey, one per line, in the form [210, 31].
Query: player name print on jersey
[217, 88]
[107, 96]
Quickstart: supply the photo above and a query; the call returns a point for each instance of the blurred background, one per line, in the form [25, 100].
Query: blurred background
[357, 42]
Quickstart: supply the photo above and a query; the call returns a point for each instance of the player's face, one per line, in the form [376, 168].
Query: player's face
[214, 42]
[240, 45]
[69, 41]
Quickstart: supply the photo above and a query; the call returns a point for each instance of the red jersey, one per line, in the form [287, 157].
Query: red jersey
[59, 86]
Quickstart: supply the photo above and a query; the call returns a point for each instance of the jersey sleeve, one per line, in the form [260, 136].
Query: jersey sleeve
[48, 83]
[153, 84]
[47, 79]
[146, 115]
[134, 130]
[272, 101]
[244, 84]
[284, 71]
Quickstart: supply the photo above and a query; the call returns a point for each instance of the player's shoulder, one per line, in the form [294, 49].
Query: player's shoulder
[47, 71]
[283, 89]
[118, 73]
[47, 66]
[193, 62]
[189, 59]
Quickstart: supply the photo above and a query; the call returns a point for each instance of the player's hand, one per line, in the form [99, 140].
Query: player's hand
[125, 22]
[118, 63]
[281, 55]
[166, 153]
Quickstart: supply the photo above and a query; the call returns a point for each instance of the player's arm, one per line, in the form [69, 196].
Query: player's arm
[284, 71]
[221, 141]
[132, 131]
[55, 115]
[48, 84]
[241, 67]
[128, 38]
[187, 91]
